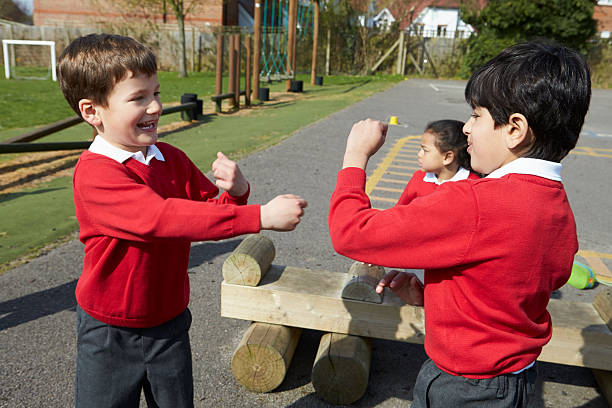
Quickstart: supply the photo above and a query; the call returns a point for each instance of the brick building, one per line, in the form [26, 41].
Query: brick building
[87, 13]
[603, 15]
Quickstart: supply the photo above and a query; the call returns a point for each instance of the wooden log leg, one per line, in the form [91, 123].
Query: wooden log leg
[250, 261]
[603, 304]
[342, 368]
[262, 358]
[362, 282]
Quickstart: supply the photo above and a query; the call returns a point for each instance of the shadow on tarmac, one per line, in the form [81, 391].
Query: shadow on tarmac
[36, 305]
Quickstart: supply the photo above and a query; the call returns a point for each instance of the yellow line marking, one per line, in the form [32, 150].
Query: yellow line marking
[399, 166]
[398, 173]
[585, 254]
[390, 200]
[593, 154]
[386, 180]
[406, 161]
[597, 149]
[393, 190]
[592, 151]
[601, 271]
[382, 167]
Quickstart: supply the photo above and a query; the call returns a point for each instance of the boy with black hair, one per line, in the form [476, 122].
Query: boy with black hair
[493, 249]
[140, 203]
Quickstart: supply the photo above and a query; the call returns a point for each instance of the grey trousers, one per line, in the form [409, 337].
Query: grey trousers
[115, 364]
[436, 388]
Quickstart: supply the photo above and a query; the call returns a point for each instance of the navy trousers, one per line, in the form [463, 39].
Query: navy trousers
[436, 388]
[116, 364]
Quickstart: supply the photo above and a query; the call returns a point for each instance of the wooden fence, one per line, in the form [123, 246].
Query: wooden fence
[21, 144]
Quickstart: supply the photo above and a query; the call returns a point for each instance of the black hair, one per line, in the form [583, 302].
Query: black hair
[547, 83]
[450, 137]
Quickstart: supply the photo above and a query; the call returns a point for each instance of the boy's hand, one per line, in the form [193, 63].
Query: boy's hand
[406, 285]
[366, 137]
[228, 176]
[282, 213]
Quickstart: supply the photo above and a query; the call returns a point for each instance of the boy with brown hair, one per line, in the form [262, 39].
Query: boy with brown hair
[493, 249]
[140, 203]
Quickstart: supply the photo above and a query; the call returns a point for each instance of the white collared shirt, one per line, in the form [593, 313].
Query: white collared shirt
[101, 146]
[461, 174]
[534, 167]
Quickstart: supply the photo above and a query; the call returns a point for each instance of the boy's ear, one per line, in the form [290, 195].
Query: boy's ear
[88, 111]
[517, 131]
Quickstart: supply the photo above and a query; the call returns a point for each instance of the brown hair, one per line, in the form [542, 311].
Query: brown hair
[91, 66]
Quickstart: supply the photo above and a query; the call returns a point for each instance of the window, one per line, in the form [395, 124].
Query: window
[441, 32]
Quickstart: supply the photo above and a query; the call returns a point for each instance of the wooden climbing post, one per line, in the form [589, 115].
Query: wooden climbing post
[315, 40]
[291, 41]
[237, 76]
[247, 70]
[219, 69]
[256, 47]
[232, 69]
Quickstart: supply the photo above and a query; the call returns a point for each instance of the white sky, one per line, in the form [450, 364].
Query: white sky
[26, 5]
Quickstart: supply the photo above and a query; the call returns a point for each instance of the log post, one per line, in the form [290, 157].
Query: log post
[603, 304]
[262, 358]
[315, 40]
[231, 85]
[256, 47]
[247, 70]
[291, 42]
[250, 261]
[219, 68]
[362, 282]
[237, 62]
[341, 369]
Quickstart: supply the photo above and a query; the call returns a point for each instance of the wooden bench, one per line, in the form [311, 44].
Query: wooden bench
[218, 99]
[282, 300]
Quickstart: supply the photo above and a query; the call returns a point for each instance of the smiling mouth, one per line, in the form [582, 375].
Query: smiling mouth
[147, 125]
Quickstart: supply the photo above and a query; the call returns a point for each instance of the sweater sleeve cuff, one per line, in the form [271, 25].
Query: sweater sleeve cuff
[248, 219]
[351, 177]
[240, 200]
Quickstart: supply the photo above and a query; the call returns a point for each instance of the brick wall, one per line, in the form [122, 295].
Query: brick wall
[85, 13]
[603, 15]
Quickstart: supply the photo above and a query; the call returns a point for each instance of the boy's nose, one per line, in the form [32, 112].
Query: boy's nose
[154, 107]
[466, 127]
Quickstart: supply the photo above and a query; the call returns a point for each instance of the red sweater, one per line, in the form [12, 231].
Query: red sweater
[493, 251]
[418, 187]
[137, 223]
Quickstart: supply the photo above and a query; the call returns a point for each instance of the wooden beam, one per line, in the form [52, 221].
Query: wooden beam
[341, 369]
[603, 304]
[250, 261]
[312, 299]
[384, 57]
[262, 358]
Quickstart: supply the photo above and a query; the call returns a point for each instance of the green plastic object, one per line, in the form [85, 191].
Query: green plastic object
[582, 276]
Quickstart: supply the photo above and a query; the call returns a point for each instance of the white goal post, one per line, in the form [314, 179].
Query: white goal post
[7, 65]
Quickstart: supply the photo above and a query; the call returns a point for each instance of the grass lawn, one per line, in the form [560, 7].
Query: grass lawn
[42, 215]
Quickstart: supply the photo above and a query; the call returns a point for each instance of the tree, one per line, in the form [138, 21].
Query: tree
[180, 9]
[11, 11]
[505, 22]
